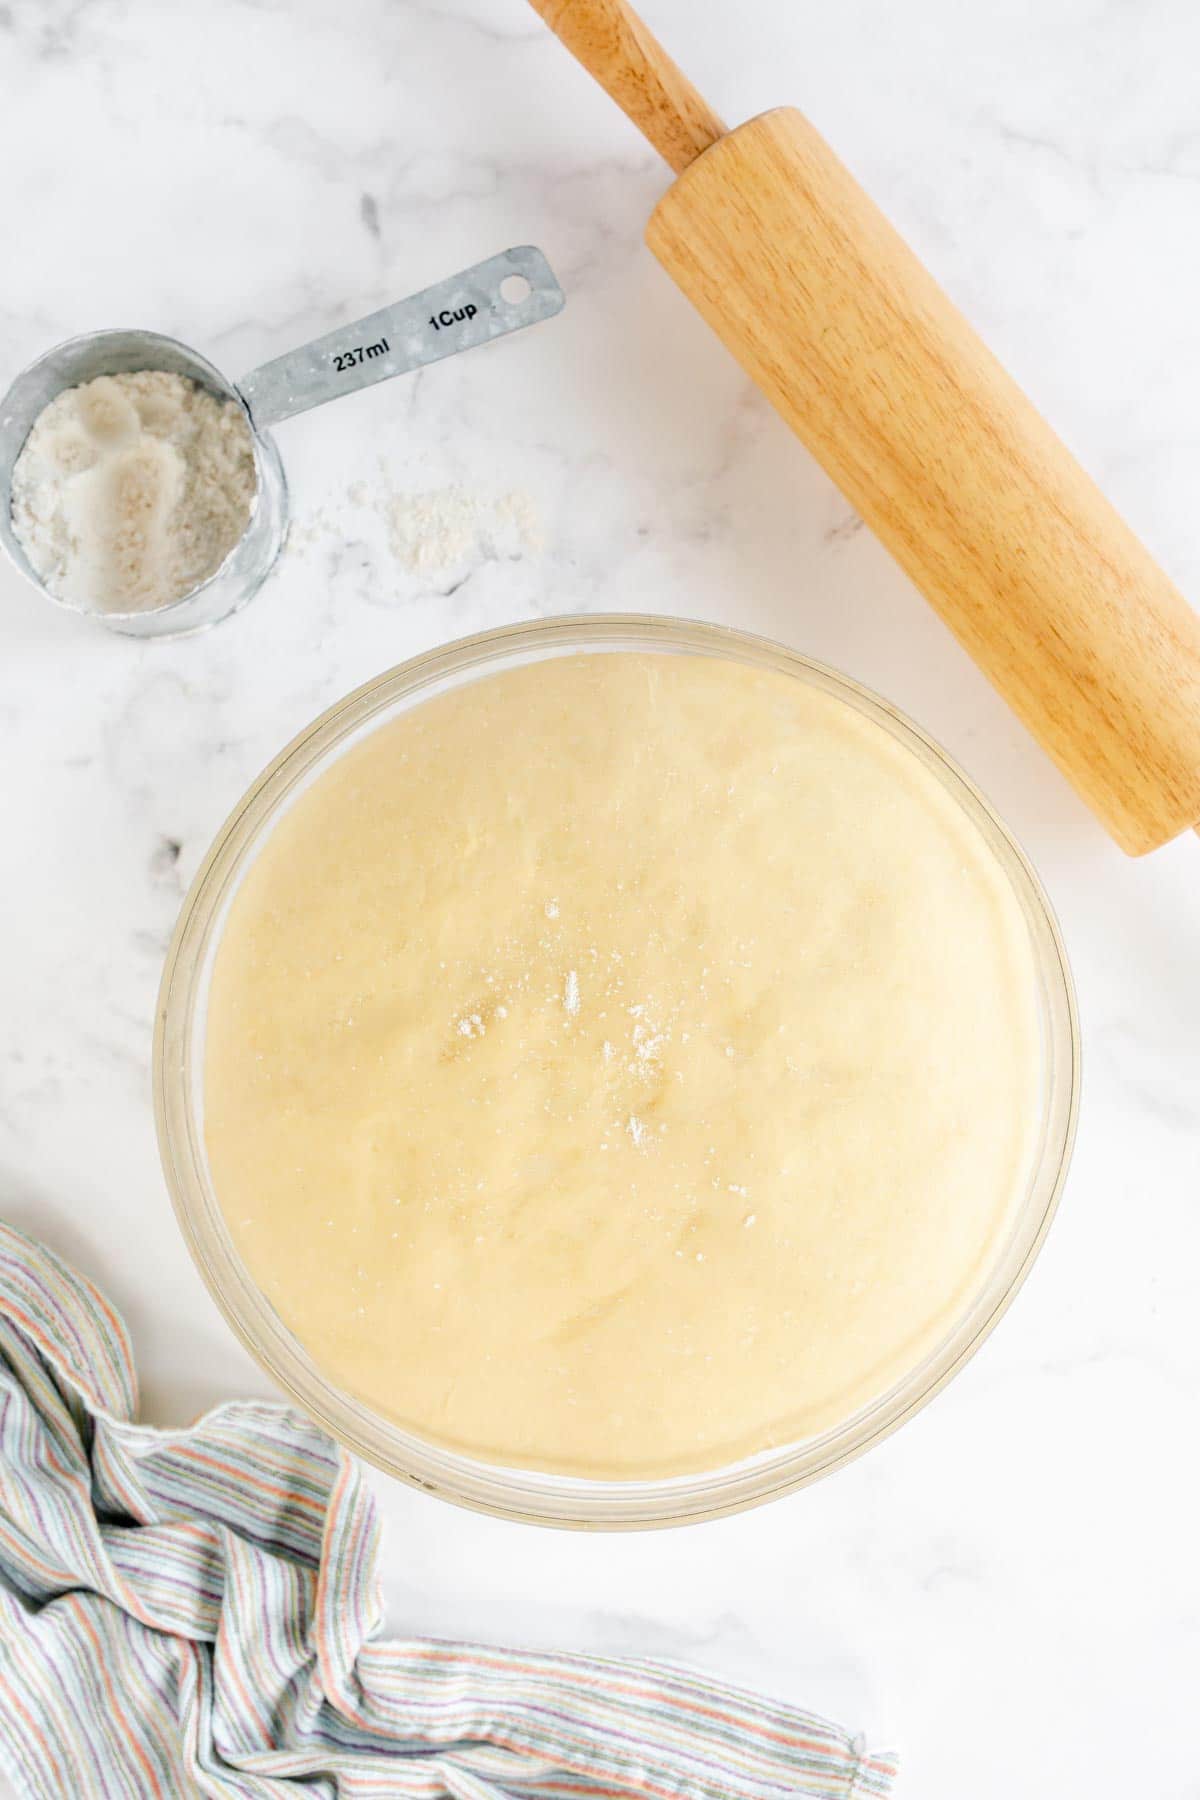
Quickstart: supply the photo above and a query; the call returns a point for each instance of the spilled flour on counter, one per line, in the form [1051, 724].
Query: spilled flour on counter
[435, 533]
[132, 489]
[447, 526]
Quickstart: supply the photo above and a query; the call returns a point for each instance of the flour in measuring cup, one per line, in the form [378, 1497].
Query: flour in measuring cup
[132, 489]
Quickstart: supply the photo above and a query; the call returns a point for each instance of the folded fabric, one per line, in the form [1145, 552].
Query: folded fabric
[196, 1613]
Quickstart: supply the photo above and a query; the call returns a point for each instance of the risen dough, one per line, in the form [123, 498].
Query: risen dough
[622, 1064]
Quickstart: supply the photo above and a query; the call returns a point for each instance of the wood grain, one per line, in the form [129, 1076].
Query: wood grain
[612, 43]
[843, 329]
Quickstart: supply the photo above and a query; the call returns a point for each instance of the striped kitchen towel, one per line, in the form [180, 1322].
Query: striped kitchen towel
[197, 1613]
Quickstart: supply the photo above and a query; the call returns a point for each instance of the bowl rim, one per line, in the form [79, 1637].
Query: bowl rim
[526, 1495]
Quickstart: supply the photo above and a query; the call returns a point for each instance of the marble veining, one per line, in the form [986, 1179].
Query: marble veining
[1008, 1587]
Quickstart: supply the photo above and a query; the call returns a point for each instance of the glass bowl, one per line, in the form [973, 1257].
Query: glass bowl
[178, 1093]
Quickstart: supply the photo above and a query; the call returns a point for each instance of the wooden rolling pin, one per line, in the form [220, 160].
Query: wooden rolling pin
[853, 341]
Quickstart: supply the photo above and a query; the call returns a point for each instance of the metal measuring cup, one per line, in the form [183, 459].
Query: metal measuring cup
[503, 294]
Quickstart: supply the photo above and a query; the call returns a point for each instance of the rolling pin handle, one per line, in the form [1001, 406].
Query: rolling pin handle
[628, 61]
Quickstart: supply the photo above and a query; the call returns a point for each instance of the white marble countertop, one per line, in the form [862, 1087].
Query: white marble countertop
[1009, 1589]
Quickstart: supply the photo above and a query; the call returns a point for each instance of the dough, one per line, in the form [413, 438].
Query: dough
[622, 1064]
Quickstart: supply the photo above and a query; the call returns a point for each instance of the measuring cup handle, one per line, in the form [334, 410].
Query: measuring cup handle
[456, 314]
